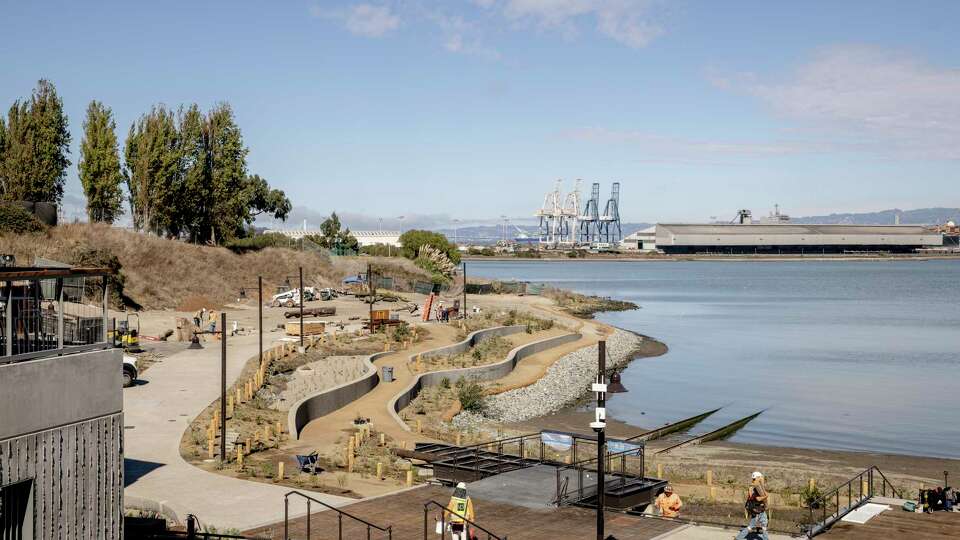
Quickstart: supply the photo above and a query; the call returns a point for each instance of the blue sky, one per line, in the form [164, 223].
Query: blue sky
[475, 108]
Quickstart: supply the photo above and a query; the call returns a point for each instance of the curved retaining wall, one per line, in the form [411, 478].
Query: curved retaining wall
[324, 403]
[489, 372]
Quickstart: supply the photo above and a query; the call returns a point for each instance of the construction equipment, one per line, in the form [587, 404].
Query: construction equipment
[127, 335]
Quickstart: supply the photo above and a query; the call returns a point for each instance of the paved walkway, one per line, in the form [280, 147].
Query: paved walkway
[157, 413]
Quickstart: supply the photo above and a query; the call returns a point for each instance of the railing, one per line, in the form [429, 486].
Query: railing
[475, 451]
[624, 472]
[49, 312]
[828, 505]
[370, 527]
[193, 532]
[443, 521]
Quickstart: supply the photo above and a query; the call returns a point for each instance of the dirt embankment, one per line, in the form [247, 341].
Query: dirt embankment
[160, 273]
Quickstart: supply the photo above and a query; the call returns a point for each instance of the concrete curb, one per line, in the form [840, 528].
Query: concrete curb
[488, 372]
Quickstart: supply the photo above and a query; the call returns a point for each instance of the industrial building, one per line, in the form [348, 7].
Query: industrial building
[791, 238]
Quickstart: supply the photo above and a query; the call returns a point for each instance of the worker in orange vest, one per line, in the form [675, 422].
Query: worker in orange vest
[669, 503]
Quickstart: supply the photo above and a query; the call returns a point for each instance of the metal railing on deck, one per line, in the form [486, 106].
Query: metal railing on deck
[828, 507]
[615, 464]
[471, 455]
[443, 521]
[48, 312]
[370, 527]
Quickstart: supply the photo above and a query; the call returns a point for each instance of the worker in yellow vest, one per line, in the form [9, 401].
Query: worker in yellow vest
[460, 507]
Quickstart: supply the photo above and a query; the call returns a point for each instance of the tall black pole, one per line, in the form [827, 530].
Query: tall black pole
[260, 315]
[223, 388]
[601, 438]
[302, 298]
[463, 309]
[373, 295]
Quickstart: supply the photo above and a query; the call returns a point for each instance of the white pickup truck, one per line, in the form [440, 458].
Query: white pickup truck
[129, 370]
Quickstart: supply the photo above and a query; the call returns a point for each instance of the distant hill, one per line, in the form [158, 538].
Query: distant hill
[920, 216]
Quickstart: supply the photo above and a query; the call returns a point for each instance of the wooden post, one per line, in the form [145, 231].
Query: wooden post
[383, 439]
[266, 432]
[813, 484]
[210, 448]
[230, 405]
[279, 430]
[239, 400]
[419, 426]
[239, 457]
[280, 470]
[248, 447]
[350, 446]
[458, 438]
[386, 347]
[410, 478]
[713, 493]
[659, 471]
[379, 471]
[350, 461]
[709, 477]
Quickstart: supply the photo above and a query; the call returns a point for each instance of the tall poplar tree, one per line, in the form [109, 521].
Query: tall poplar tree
[228, 172]
[195, 174]
[37, 141]
[152, 171]
[100, 164]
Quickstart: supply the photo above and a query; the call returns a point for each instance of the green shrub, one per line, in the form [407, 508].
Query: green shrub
[18, 220]
[471, 397]
[258, 242]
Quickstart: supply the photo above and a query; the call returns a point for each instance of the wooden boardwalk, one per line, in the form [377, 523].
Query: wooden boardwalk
[896, 524]
[405, 512]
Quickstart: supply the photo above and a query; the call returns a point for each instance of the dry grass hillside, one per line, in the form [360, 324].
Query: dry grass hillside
[168, 274]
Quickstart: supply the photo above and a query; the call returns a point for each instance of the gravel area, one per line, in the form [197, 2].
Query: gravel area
[565, 381]
[318, 376]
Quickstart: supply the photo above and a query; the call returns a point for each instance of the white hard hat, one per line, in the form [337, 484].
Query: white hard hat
[462, 485]
[756, 474]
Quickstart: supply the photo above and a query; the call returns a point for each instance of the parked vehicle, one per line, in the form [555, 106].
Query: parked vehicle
[129, 370]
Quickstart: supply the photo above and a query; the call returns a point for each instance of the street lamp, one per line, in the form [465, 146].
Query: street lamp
[600, 423]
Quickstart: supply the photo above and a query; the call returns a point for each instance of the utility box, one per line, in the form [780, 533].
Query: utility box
[387, 373]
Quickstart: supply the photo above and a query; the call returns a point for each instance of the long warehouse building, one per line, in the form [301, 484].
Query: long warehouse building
[793, 238]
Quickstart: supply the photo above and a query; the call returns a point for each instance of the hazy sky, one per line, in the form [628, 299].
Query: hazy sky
[475, 108]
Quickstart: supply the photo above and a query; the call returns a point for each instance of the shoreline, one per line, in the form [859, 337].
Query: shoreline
[719, 258]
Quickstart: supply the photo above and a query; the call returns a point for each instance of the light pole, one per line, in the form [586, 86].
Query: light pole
[599, 426]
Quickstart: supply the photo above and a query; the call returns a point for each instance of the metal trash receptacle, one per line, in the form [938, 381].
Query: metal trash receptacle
[387, 373]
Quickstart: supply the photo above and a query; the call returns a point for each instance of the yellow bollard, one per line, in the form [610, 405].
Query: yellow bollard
[709, 477]
[410, 478]
[379, 471]
[280, 470]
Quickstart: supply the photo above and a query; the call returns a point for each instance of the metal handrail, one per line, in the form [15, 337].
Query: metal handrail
[478, 447]
[561, 493]
[834, 495]
[443, 521]
[340, 513]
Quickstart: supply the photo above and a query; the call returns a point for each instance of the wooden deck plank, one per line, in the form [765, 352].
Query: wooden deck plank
[895, 523]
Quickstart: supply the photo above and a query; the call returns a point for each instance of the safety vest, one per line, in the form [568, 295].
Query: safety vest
[461, 507]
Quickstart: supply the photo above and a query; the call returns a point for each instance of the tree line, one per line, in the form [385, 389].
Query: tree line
[185, 171]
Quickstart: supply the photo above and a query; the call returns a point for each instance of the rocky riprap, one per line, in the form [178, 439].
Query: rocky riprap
[565, 381]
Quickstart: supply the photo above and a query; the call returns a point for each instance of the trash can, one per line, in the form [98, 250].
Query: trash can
[387, 374]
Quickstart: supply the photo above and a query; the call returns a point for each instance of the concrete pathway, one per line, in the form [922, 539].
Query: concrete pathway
[157, 413]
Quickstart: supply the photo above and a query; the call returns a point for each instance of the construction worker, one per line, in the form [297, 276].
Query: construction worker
[756, 508]
[460, 507]
[668, 503]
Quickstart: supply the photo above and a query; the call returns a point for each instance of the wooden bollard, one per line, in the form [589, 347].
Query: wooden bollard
[266, 432]
[280, 470]
[350, 461]
[419, 426]
[351, 445]
[210, 448]
[230, 405]
[379, 471]
[812, 483]
[279, 430]
[239, 400]
[713, 493]
[383, 439]
[240, 456]
[248, 447]
[865, 487]
[660, 471]
[458, 438]
[386, 347]
[410, 478]
[709, 477]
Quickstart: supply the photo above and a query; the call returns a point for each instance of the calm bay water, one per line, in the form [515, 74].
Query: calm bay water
[850, 355]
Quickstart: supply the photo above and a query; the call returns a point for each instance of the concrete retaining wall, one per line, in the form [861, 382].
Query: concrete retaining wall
[324, 403]
[311, 407]
[489, 372]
